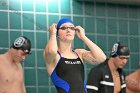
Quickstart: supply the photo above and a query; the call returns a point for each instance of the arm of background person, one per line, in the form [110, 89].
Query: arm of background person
[132, 83]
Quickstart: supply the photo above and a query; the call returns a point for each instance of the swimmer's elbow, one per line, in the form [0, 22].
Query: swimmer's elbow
[50, 51]
[101, 59]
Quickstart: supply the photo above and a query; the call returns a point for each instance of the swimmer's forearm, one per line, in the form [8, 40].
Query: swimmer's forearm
[97, 52]
[52, 47]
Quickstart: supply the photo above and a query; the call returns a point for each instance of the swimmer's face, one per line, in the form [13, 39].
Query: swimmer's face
[120, 62]
[66, 31]
[19, 56]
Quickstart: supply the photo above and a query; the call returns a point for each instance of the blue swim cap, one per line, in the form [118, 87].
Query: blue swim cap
[62, 21]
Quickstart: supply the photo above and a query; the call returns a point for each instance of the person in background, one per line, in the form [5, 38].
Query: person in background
[108, 77]
[11, 72]
[133, 82]
[64, 64]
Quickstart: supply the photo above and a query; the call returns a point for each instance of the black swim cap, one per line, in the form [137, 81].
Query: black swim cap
[22, 43]
[120, 50]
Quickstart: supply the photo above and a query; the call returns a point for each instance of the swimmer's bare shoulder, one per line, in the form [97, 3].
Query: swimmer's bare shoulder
[2, 58]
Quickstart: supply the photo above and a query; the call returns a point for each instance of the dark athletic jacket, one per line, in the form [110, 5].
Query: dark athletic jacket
[100, 80]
